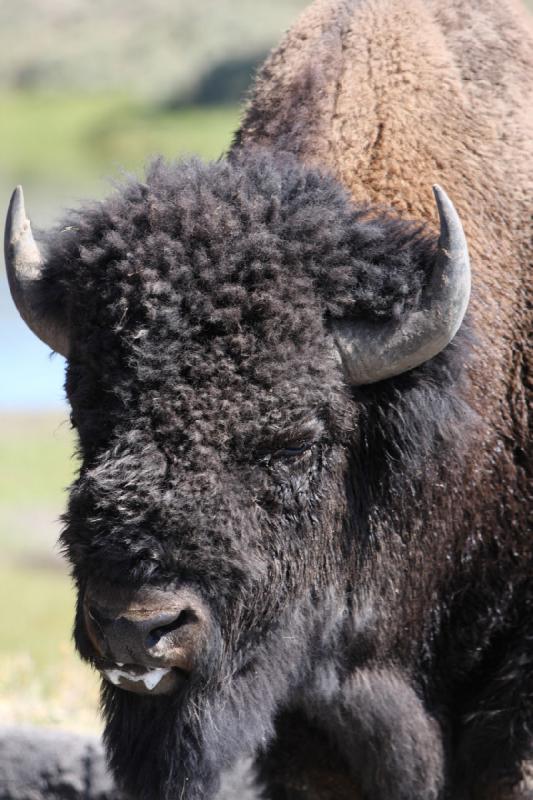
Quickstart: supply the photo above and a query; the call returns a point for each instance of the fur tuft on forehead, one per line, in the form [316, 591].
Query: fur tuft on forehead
[231, 244]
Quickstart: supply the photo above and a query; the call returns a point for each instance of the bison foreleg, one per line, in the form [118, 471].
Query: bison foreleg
[301, 764]
[392, 746]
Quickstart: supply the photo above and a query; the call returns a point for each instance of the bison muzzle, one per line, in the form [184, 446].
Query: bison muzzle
[146, 641]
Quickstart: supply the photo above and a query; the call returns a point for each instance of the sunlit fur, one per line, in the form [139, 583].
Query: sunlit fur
[348, 591]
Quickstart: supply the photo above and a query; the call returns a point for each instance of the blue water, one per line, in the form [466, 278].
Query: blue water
[31, 378]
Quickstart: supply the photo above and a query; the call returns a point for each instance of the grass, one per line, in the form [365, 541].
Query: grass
[36, 452]
[41, 678]
[205, 132]
[37, 463]
[83, 138]
[45, 602]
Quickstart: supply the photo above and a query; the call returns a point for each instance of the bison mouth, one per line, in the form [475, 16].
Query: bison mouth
[145, 680]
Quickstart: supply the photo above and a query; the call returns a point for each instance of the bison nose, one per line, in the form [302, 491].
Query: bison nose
[140, 639]
[152, 628]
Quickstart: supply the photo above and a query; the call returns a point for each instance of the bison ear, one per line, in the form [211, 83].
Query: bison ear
[24, 265]
[373, 352]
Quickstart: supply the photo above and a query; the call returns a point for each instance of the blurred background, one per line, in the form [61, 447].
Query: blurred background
[89, 89]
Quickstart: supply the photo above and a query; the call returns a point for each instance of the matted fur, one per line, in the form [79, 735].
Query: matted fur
[365, 553]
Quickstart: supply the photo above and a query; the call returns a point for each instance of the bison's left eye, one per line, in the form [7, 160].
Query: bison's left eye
[288, 454]
[293, 444]
[292, 451]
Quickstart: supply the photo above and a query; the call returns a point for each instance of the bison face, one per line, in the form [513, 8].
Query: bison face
[197, 532]
[211, 319]
[210, 490]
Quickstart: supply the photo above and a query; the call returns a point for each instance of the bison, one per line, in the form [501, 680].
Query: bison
[301, 528]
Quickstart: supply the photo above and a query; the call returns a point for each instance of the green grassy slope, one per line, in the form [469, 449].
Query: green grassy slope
[85, 139]
[41, 678]
[36, 464]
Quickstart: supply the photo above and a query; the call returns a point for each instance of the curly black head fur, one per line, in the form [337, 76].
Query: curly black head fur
[216, 432]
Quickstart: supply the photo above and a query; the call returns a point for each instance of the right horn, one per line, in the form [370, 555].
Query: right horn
[373, 351]
[24, 264]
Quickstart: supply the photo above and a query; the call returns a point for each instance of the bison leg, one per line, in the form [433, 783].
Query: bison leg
[372, 741]
[301, 764]
[392, 746]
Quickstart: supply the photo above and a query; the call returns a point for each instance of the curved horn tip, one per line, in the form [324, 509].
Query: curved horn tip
[16, 214]
[18, 194]
[443, 202]
[448, 216]
[22, 255]
[17, 223]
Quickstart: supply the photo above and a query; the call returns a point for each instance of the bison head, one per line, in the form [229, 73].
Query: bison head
[217, 321]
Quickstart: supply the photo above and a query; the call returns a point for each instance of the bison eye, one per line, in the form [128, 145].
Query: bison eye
[292, 451]
[291, 444]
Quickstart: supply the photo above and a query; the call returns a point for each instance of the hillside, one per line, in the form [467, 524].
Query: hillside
[161, 48]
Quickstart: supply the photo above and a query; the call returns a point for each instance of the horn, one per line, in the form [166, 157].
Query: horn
[24, 265]
[373, 351]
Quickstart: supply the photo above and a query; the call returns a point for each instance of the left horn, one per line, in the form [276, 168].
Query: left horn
[372, 352]
[24, 264]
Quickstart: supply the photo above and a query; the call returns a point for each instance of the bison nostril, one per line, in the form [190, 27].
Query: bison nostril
[185, 617]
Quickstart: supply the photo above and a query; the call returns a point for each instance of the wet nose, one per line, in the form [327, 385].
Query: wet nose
[155, 629]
